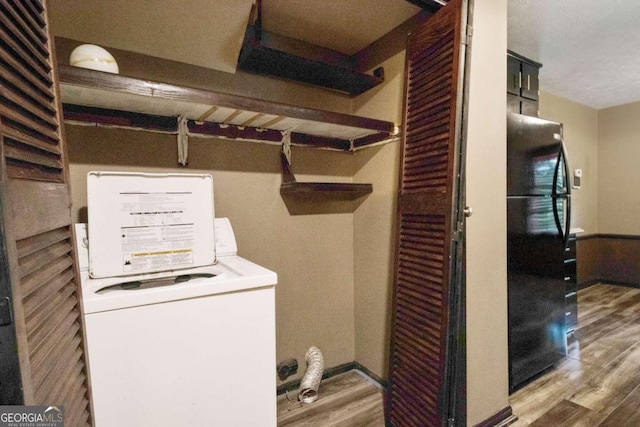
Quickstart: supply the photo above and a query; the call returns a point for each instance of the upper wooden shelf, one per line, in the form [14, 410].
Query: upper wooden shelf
[261, 57]
[112, 99]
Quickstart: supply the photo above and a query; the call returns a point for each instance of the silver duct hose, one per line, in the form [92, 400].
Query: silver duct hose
[312, 376]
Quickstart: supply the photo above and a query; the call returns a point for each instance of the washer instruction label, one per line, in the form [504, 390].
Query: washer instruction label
[157, 230]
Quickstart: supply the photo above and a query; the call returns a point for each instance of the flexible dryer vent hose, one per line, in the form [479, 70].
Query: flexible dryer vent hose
[312, 376]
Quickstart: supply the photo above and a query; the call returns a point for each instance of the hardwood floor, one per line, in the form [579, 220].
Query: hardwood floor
[598, 383]
[346, 400]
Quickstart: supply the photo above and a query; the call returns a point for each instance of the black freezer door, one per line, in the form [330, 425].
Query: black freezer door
[536, 288]
[534, 156]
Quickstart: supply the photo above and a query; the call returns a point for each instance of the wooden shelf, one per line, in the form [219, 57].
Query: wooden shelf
[355, 190]
[258, 57]
[337, 190]
[112, 99]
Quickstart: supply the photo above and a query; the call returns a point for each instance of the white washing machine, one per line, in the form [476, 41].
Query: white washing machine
[197, 352]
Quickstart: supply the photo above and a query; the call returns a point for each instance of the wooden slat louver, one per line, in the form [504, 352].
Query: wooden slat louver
[419, 313]
[31, 138]
[36, 217]
[418, 387]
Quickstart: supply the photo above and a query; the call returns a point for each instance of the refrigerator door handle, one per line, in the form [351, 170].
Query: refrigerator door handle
[565, 170]
[562, 166]
[568, 221]
[556, 217]
[564, 234]
[565, 193]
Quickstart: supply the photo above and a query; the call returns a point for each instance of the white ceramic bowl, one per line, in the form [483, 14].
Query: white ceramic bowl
[93, 57]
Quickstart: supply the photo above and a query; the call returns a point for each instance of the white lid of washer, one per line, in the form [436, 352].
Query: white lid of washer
[149, 222]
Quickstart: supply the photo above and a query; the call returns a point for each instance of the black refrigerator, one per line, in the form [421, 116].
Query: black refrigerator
[538, 216]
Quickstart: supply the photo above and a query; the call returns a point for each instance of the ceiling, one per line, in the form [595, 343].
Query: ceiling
[346, 26]
[209, 33]
[590, 49]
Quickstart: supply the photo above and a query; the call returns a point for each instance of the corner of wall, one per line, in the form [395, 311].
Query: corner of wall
[374, 220]
[487, 355]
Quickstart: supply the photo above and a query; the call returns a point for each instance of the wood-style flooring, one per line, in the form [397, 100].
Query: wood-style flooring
[346, 400]
[598, 383]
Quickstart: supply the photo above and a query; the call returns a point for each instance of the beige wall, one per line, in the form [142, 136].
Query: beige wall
[580, 127]
[312, 253]
[374, 242]
[619, 174]
[487, 357]
[374, 223]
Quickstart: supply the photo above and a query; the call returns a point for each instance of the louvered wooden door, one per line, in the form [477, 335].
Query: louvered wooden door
[39, 284]
[421, 373]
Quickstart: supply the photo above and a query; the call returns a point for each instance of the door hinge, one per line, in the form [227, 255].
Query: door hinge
[451, 422]
[468, 35]
[5, 311]
[457, 235]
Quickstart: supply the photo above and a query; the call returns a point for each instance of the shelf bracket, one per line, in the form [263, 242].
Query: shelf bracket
[287, 172]
[183, 140]
[337, 191]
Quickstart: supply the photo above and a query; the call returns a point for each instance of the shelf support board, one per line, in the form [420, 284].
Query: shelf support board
[105, 116]
[167, 124]
[342, 190]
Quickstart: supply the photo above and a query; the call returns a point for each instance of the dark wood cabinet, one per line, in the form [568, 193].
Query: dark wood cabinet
[522, 84]
[571, 284]
[513, 75]
[529, 84]
[528, 107]
[513, 103]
